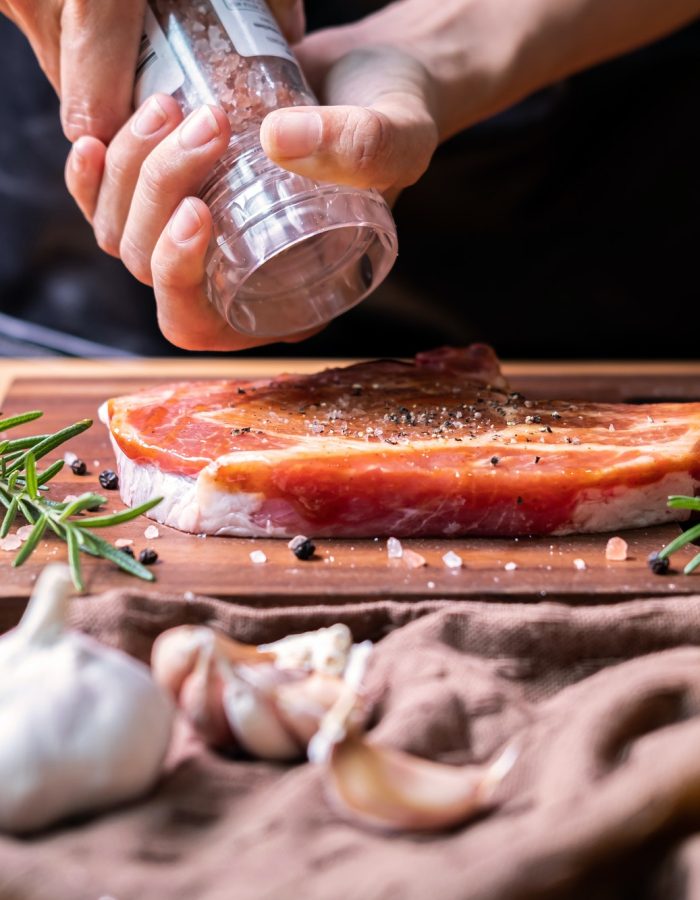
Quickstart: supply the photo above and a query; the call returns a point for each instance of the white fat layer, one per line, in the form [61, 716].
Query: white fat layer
[191, 504]
[626, 507]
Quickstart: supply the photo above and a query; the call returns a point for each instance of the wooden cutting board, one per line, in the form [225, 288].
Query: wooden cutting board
[345, 570]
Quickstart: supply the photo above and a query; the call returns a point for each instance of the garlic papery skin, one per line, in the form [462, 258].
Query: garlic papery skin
[83, 726]
[325, 650]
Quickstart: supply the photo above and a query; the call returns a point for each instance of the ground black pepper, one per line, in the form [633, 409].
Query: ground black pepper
[128, 551]
[495, 460]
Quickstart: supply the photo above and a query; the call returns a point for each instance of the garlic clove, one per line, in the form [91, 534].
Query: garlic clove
[201, 701]
[253, 719]
[175, 653]
[325, 650]
[391, 789]
[84, 726]
[302, 704]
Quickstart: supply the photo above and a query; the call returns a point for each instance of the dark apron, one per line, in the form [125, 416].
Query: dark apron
[567, 226]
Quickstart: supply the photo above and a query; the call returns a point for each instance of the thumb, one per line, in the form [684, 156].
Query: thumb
[385, 142]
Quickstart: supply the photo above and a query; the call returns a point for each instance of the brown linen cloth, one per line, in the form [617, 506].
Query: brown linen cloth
[603, 801]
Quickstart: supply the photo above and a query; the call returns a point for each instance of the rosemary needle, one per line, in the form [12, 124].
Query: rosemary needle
[692, 534]
[22, 485]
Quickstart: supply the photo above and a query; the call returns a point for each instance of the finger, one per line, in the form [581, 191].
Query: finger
[185, 315]
[84, 169]
[99, 48]
[154, 121]
[382, 146]
[175, 169]
[290, 17]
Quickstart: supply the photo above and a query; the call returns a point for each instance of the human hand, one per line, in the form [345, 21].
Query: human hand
[93, 76]
[379, 129]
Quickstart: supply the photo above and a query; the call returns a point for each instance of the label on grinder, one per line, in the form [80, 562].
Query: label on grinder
[252, 28]
[157, 69]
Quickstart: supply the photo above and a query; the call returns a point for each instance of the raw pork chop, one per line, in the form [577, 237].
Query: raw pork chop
[438, 446]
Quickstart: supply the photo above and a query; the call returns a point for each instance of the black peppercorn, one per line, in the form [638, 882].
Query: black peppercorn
[147, 557]
[128, 551]
[302, 547]
[495, 460]
[78, 467]
[659, 565]
[108, 480]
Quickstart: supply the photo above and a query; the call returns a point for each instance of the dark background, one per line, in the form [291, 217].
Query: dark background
[567, 227]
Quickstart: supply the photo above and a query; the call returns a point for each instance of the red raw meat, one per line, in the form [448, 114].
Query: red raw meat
[437, 446]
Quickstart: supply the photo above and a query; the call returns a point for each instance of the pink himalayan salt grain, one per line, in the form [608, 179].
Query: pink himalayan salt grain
[123, 542]
[151, 533]
[616, 549]
[24, 531]
[246, 87]
[580, 565]
[11, 542]
[413, 560]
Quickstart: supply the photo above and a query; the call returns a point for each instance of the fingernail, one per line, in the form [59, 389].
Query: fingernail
[296, 134]
[200, 128]
[185, 223]
[77, 159]
[150, 119]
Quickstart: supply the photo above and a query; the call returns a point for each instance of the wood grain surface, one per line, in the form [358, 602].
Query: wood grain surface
[347, 570]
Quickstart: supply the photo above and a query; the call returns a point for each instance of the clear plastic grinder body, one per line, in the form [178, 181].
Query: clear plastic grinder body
[288, 254]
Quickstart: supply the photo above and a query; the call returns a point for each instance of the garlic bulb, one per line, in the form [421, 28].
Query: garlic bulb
[268, 700]
[83, 726]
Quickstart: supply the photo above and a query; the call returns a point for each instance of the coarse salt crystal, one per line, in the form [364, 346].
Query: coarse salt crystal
[24, 531]
[452, 560]
[96, 463]
[123, 542]
[188, 596]
[69, 458]
[413, 560]
[11, 542]
[611, 427]
[510, 566]
[257, 557]
[151, 533]
[580, 564]
[431, 584]
[69, 498]
[616, 549]
[394, 550]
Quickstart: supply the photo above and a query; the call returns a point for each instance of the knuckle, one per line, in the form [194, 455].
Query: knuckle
[78, 118]
[153, 181]
[364, 141]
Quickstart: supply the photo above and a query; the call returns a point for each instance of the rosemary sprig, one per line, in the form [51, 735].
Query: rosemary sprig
[687, 537]
[22, 488]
